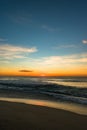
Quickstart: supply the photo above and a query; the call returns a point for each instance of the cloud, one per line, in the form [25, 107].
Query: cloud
[20, 17]
[10, 52]
[60, 61]
[3, 40]
[48, 28]
[12, 48]
[65, 46]
[4, 61]
[25, 71]
[84, 41]
[11, 55]
[51, 63]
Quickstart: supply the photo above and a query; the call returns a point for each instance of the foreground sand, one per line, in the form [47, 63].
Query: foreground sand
[18, 116]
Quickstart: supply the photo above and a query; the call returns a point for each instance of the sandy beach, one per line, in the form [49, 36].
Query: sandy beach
[20, 116]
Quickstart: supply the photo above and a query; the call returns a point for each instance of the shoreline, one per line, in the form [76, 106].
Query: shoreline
[15, 116]
[71, 107]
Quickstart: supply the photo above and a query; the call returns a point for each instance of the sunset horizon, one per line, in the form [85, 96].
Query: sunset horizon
[43, 65]
[43, 39]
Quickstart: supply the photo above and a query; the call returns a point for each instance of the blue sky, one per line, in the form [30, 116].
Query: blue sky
[51, 28]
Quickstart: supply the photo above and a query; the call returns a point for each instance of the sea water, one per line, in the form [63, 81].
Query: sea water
[70, 92]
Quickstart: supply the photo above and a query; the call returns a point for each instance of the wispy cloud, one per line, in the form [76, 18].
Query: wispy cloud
[50, 29]
[20, 17]
[3, 61]
[8, 51]
[25, 70]
[60, 61]
[77, 58]
[84, 41]
[3, 40]
[65, 46]
[12, 48]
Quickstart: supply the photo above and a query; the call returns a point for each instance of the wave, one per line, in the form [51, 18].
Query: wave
[55, 91]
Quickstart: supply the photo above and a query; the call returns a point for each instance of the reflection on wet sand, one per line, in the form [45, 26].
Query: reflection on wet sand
[79, 109]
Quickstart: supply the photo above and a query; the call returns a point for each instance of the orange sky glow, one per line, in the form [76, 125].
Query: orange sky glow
[72, 72]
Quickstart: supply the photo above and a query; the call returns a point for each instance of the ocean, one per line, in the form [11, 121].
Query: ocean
[71, 90]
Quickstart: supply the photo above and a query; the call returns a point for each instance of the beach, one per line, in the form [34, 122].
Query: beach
[21, 116]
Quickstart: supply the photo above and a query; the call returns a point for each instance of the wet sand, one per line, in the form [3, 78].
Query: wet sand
[20, 116]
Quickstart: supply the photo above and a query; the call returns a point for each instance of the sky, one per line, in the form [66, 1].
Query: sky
[43, 37]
